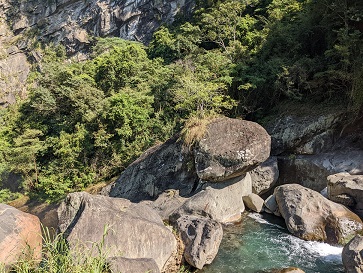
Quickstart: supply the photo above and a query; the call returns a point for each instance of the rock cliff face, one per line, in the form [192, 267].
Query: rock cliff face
[73, 22]
[14, 67]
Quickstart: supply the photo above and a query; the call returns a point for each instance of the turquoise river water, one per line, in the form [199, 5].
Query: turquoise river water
[260, 244]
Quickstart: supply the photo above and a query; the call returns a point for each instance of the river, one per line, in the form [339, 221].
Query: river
[261, 243]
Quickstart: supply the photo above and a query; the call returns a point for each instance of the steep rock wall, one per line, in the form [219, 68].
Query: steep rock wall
[73, 22]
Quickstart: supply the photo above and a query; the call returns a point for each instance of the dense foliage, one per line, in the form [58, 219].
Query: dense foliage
[84, 122]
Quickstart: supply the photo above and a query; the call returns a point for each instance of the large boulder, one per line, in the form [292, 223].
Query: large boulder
[20, 236]
[352, 255]
[310, 216]
[201, 237]
[134, 230]
[231, 148]
[221, 201]
[264, 177]
[348, 190]
[166, 166]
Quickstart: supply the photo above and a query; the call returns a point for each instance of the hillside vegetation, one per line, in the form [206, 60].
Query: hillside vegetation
[83, 123]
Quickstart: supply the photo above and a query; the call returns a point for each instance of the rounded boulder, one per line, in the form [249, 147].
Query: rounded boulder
[231, 148]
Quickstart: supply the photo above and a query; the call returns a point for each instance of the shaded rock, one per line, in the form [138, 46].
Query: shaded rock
[253, 202]
[310, 216]
[120, 264]
[167, 203]
[312, 171]
[347, 189]
[304, 134]
[352, 255]
[264, 176]
[231, 148]
[20, 235]
[134, 230]
[201, 237]
[221, 202]
[163, 167]
[271, 205]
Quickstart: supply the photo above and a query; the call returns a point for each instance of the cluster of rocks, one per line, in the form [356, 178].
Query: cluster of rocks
[196, 191]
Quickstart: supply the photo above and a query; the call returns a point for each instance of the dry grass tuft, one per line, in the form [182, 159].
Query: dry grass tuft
[194, 129]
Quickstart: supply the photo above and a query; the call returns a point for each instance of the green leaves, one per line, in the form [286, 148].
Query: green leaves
[195, 95]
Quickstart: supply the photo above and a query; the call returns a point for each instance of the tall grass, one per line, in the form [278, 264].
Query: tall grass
[57, 257]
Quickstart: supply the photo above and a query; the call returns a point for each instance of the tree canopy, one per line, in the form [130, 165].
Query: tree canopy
[83, 123]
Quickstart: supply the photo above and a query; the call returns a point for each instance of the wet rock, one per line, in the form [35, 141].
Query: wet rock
[352, 255]
[202, 237]
[134, 230]
[20, 236]
[231, 148]
[310, 216]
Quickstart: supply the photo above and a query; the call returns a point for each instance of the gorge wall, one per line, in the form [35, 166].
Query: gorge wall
[73, 23]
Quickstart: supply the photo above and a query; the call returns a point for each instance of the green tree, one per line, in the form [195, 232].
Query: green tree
[23, 156]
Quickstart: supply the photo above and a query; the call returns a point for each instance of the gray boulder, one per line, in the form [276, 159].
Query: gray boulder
[201, 237]
[121, 264]
[253, 202]
[264, 176]
[352, 255]
[20, 236]
[161, 168]
[348, 190]
[133, 230]
[221, 201]
[231, 148]
[310, 216]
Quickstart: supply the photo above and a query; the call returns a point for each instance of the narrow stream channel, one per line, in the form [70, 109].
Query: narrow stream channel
[261, 243]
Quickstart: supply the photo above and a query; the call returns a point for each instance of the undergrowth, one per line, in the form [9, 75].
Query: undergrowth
[57, 257]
